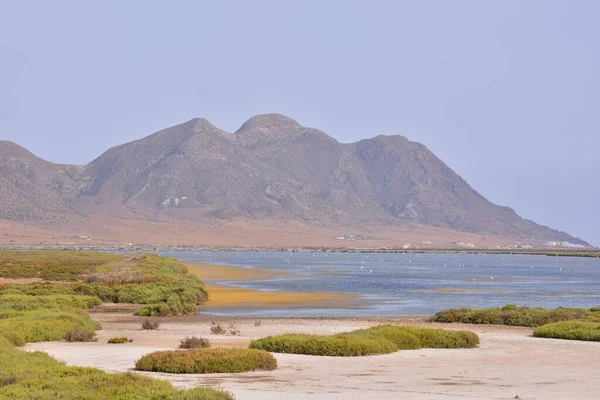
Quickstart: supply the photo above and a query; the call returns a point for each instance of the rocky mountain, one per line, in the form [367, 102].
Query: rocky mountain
[33, 189]
[272, 168]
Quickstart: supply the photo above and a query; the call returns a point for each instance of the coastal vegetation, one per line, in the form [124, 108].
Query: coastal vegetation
[570, 330]
[206, 361]
[120, 340]
[377, 340]
[162, 285]
[45, 300]
[513, 315]
[560, 323]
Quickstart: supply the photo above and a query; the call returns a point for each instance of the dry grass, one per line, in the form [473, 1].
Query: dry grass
[194, 342]
[148, 325]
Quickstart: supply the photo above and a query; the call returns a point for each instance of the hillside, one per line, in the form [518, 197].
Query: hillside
[272, 169]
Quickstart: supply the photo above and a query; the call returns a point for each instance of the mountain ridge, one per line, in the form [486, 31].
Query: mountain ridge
[271, 168]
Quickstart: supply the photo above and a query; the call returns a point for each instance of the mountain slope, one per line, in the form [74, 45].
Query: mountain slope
[33, 189]
[272, 168]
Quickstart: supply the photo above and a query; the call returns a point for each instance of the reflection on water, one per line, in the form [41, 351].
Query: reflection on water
[419, 284]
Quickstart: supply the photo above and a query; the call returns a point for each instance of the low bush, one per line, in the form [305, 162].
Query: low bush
[206, 361]
[194, 343]
[346, 345]
[150, 325]
[44, 324]
[80, 336]
[217, 329]
[119, 340]
[377, 340]
[509, 315]
[570, 330]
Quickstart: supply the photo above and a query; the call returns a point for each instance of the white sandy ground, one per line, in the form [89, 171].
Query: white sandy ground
[509, 362]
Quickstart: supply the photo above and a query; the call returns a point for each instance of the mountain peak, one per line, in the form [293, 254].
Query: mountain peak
[268, 121]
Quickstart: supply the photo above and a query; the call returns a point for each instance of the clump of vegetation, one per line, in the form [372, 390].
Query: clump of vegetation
[52, 265]
[119, 340]
[377, 340]
[161, 284]
[510, 315]
[194, 342]
[218, 329]
[570, 330]
[29, 321]
[324, 345]
[206, 361]
[150, 325]
[80, 336]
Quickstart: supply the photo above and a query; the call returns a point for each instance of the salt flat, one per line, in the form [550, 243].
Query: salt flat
[510, 362]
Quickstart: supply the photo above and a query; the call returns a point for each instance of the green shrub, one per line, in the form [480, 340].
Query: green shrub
[80, 336]
[402, 338]
[45, 324]
[571, 330]
[206, 361]
[377, 340]
[119, 340]
[194, 343]
[443, 339]
[509, 315]
[595, 309]
[346, 345]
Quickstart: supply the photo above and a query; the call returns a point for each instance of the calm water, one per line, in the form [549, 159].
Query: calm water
[419, 284]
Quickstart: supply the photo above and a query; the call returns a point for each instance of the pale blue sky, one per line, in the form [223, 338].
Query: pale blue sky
[507, 93]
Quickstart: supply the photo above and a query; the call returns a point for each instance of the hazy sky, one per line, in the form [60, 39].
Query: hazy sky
[507, 93]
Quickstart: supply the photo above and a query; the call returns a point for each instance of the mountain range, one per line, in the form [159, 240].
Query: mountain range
[271, 172]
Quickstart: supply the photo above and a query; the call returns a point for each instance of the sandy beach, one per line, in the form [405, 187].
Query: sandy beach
[509, 362]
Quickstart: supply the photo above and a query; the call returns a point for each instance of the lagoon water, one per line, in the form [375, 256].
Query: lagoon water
[416, 284]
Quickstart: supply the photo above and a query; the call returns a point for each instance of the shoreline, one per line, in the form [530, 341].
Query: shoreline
[593, 252]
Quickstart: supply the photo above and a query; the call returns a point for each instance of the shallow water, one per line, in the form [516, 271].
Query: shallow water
[417, 284]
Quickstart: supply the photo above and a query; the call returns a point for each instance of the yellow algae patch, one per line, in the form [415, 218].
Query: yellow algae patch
[227, 296]
[224, 296]
[215, 272]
